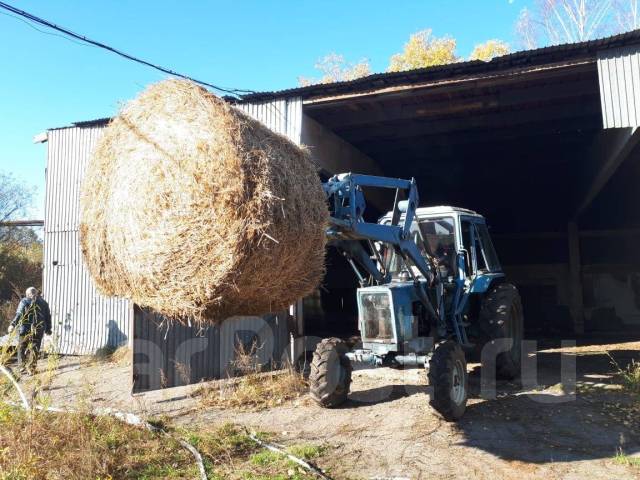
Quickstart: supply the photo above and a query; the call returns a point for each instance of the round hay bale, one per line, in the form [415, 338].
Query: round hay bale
[194, 209]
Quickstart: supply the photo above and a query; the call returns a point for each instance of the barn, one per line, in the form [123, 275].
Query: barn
[543, 143]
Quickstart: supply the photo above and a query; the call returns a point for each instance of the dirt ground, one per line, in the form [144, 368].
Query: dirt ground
[387, 430]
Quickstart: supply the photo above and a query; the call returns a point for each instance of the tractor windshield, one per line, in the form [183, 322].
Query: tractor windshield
[434, 236]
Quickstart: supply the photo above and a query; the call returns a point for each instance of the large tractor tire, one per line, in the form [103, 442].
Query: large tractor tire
[330, 376]
[448, 380]
[501, 318]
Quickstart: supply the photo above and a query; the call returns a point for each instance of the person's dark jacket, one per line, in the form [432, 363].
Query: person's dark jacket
[33, 312]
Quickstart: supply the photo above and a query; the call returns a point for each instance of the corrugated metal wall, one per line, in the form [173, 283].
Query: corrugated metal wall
[619, 78]
[173, 355]
[281, 116]
[83, 320]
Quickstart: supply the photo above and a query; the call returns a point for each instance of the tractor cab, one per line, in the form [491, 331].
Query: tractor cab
[445, 233]
[392, 317]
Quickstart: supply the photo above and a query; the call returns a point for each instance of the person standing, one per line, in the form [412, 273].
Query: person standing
[33, 321]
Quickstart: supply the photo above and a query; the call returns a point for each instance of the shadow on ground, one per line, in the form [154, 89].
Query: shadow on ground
[383, 394]
[553, 423]
[547, 422]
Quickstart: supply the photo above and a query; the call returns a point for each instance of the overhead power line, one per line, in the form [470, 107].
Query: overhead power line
[70, 34]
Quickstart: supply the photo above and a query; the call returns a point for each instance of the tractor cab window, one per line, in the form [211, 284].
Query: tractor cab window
[440, 242]
[468, 246]
[481, 256]
[489, 255]
[435, 237]
[395, 261]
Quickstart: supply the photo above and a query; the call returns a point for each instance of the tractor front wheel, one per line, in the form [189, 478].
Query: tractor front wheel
[448, 380]
[330, 376]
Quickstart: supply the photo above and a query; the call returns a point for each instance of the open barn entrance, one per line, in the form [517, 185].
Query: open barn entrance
[528, 151]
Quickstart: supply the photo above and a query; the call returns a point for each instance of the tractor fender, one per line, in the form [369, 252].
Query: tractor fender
[486, 281]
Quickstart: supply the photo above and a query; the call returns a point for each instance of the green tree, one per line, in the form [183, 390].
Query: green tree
[424, 50]
[489, 49]
[334, 68]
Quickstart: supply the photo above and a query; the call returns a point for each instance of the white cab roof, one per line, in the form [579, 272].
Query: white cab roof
[424, 212]
[443, 209]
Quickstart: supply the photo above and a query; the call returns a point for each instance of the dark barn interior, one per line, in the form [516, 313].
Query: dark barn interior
[526, 148]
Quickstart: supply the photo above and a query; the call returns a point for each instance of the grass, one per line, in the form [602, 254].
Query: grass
[117, 355]
[7, 312]
[253, 389]
[43, 445]
[274, 462]
[256, 391]
[629, 376]
[46, 445]
[229, 453]
[624, 459]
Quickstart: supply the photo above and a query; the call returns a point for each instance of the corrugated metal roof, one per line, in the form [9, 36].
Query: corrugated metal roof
[525, 58]
[98, 122]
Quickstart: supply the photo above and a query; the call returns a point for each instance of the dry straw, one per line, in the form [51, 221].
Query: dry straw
[196, 210]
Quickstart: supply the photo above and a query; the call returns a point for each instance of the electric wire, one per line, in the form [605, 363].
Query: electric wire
[72, 35]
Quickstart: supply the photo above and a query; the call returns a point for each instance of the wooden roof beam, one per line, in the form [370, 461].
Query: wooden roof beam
[423, 108]
[499, 119]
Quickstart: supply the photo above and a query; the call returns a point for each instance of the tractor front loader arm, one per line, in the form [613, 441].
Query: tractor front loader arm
[349, 232]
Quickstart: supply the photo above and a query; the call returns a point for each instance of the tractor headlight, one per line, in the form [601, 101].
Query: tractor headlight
[376, 315]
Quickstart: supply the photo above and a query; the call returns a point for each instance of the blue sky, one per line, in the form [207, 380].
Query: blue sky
[47, 81]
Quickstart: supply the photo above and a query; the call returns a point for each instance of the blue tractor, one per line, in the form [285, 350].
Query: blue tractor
[431, 291]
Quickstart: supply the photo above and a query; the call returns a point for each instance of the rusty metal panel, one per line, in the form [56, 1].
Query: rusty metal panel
[619, 79]
[169, 354]
[83, 320]
[283, 116]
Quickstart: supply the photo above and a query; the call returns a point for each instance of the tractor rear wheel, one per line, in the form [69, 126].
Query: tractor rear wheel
[330, 375]
[448, 380]
[501, 318]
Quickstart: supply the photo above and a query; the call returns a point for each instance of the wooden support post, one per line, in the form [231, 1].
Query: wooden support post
[575, 279]
[300, 317]
[296, 331]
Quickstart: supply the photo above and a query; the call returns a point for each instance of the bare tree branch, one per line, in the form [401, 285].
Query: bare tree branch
[15, 198]
[567, 21]
[626, 14]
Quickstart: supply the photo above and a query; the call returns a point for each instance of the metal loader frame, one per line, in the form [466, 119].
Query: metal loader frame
[349, 232]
